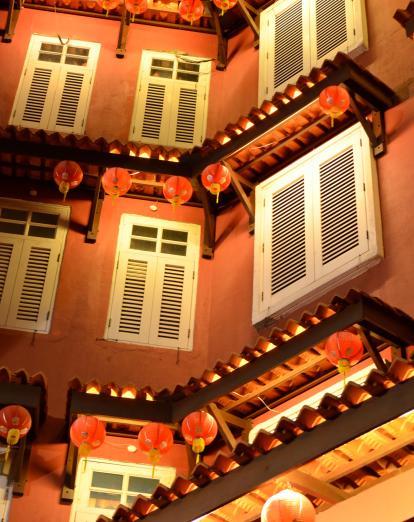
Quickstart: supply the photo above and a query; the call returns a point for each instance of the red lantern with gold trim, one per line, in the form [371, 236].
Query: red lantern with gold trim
[334, 101]
[344, 349]
[156, 439]
[225, 5]
[136, 7]
[108, 5]
[177, 190]
[15, 423]
[199, 429]
[116, 181]
[288, 506]
[67, 175]
[191, 10]
[87, 433]
[216, 178]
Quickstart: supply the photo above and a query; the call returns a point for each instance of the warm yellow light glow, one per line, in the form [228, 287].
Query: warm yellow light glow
[129, 393]
[93, 389]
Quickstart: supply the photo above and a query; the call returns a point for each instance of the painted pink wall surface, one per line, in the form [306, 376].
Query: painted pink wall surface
[116, 79]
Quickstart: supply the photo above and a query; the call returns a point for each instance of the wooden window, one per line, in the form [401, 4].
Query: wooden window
[296, 35]
[105, 484]
[171, 101]
[56, 85]
[32, 237]
[154, 283]
[319, 225]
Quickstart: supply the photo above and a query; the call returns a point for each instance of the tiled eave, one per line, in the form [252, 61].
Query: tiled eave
[405, 17]
[316, 431]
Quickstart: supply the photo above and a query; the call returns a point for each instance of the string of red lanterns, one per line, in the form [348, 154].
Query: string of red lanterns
[108, 5]
[67, 175]
[344, 349]
[224, 5]
[199, 429]
[191, 10]
[87, 433]
[116, 181]
[156, 439]
[216, 178]
[15, 423]
[177, 190]
[136, 7]
[288, 506]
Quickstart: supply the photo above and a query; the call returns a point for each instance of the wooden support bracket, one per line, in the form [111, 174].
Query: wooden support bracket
[11, 22]
[209, 239]
[95, 212]
[123, 33]
[243, 197]
[70, 474]
[373, 352]
[245, 10]
[221, 63]
[375, 130]
[315, 487]
[223, 427]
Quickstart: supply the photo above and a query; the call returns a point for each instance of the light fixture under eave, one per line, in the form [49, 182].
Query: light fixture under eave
[153, 207]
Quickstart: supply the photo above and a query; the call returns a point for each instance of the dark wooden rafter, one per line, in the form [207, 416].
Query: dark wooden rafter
[13, 13]
[222, 42]
[245, 200]
[375, 129]
[123, 33]
[321, 439]
[95, 212]
[71, 466]
[372, 350]
[246, 12]
[209, 239]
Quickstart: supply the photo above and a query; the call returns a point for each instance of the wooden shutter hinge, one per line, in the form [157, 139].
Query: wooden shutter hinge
[188, 333]
[354, 31]
[263, 248]
[363, 186]
[14, 113]
[83, 121]
[193, 275]
[133, 130]
[48, 315]
[58, 258]
[367, 234]
[262, 296]
[109, 323]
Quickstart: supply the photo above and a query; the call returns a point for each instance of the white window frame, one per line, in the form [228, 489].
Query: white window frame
[5, 497]
[318, 279]
[150, 319]
[165, 474]
[56, 84]
[167, 130]
[10, 298]
[357, 41]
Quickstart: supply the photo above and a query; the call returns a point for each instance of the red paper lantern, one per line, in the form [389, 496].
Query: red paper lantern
[288, 506]
[224, 5]
[87, 433]
[334, 101]
[199, 429]
[343, 349]
[107, 5]
[191, 10]
[177, 190]
[15, 423]
[156, 439]
[136, 7]
[67, 175]
[116, 181]
[216, 178]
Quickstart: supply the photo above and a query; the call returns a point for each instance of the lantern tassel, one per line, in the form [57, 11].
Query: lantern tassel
[332, 121]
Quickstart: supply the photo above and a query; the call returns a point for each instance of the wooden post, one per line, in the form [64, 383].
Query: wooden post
[12, 17]
[221, 63]
[123, 33]
[209, 239]
[95, 212]
[243, 197]
[249, 19]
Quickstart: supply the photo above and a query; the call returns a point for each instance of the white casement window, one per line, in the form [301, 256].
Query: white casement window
[171, 101]
[101, 485]
[5, 497]
[318, 225]
[154, 283]
[56, 84]
[296, 35]
[32, 237]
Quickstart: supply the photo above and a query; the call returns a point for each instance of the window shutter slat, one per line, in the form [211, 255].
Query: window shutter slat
[70, 102]
[288, 44]
[131, 302]
[153, 111]
[33, 290]
[331, 26]
[172, 304]
[186, 115]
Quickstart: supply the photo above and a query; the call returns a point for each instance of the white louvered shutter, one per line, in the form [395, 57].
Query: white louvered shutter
[130, 313]
[10, 251]
[284, 47]
[172, 303]
[288, 262]
[320, 225]
[55, 89]
[30, 307]
[5, 498]
[341, 232]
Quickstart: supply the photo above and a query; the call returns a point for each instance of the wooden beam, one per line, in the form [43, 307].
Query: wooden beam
[241, 194]
[123, 33]
[23, 468]
[249, 19]
[95, 212]
[318, 488]
[284, 457]
[13, 13]
[223, 427]
[373, 352]
[209, 239]
[95, 157]
[222, 42]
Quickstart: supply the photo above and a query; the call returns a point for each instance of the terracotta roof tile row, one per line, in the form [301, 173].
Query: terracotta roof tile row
[330, 408]
[406, 18]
